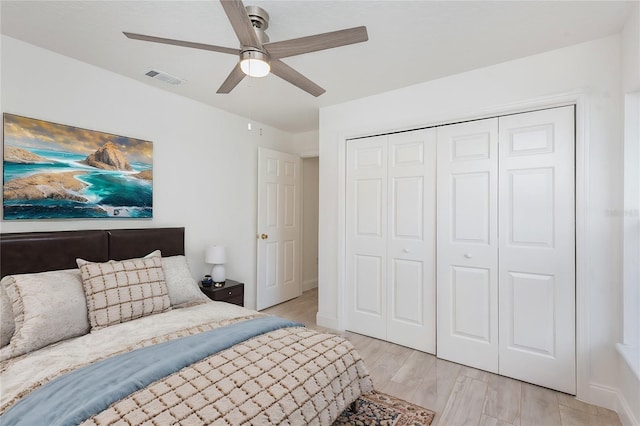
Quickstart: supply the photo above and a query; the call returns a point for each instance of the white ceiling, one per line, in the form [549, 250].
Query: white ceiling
[409, 42]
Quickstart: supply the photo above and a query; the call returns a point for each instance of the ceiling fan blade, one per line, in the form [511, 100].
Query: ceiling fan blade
[287, 73]
[232, 80]
[240, 22]
[182, 43]
[297, 46]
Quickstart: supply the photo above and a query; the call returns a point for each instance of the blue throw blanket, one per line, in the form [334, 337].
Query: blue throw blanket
[80, 394]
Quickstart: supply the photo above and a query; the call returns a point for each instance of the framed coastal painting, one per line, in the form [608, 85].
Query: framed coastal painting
[54, 171]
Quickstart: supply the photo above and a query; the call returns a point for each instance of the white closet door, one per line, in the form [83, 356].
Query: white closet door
[411, 313]
[467, 243]
[366, 242]
[537, 248]
[390, 241]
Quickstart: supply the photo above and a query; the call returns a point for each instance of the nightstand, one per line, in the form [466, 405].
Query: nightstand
[232, 292]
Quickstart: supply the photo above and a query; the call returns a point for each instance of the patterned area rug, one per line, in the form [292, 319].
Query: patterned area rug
[377, 409]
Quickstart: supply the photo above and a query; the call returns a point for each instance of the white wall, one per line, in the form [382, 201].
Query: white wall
[589, 72]
[306, 144]
[205, 160]
[309, 223]
[631, 52]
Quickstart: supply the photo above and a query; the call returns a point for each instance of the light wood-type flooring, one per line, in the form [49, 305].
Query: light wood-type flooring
[458, 394]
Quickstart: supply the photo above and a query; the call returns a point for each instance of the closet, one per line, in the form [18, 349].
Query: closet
[499, 235]
[391, 234]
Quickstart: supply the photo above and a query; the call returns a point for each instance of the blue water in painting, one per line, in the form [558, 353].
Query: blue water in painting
[109, 193]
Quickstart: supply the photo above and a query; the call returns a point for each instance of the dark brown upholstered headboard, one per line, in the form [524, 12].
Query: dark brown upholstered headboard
[130, 243]
[47, 251]
[30, 252]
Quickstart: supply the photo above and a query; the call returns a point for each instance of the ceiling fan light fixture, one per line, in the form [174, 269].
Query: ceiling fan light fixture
[254, 63]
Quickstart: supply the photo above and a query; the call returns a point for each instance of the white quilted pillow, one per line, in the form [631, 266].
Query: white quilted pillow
[47, 307]
[120, 291]
[180, 283]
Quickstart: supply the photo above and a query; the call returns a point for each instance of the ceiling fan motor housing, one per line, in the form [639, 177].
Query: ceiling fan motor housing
[260, 21]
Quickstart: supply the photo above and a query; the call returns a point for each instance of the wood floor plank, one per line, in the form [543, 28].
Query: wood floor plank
[386, 365]
[474, 373]
[608, 417]
[539, 406]
[464, 406]
[435, 388]
[414, 368]
[503, 399]
[572, 417]
[486, 420]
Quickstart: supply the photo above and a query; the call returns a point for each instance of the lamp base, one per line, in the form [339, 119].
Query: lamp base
[218, 274]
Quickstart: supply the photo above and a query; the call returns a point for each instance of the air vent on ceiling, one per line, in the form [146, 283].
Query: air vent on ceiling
[163, 76]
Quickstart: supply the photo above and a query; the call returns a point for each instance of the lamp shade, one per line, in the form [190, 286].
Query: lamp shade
[216, 255]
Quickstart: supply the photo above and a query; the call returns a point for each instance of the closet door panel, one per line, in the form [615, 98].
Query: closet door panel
[366, 242]
[470, 297]
[470, 209]
[537, 248]
[531, 216]
[467, 243]
[411, 246]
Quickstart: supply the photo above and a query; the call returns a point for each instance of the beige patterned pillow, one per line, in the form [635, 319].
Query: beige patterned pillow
[120, 291]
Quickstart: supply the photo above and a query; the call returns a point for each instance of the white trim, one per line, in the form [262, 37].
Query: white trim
[613, 399]
[583, 284]
[580, 99]
[342, 231]
[309, 284]
[631, 355]
[630, 296]
[327, 322]
[310, 154]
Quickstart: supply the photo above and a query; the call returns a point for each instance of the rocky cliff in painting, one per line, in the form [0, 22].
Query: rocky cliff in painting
[58, 186]
[145, 175]
[13, 154]
[108, 157]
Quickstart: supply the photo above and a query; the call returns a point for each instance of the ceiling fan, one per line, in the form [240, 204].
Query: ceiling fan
[259, 56]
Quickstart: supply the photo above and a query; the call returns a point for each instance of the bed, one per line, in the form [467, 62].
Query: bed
[109, 327]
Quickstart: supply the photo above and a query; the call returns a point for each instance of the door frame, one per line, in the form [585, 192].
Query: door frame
[580, 99]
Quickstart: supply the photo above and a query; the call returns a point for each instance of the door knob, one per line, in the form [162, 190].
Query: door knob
[264, 236]
[468, 255]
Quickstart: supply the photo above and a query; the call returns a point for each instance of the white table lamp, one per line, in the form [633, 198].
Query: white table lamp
[217, 256]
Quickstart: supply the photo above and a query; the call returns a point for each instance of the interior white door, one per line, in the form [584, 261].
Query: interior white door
[411, 200]
[279, 211]
[537, 248]
[366, 242]
[467, 243]
[390, 229]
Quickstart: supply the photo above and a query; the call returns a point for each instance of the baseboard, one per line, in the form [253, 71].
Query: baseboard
[309, 284]
[327, 322]
[613, 399]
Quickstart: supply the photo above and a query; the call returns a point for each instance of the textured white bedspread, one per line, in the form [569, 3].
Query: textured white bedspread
[289, 375]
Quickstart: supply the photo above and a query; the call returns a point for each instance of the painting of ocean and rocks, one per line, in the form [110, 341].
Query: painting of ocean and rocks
[54, 171]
